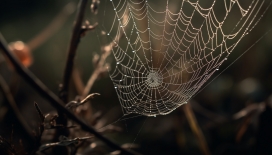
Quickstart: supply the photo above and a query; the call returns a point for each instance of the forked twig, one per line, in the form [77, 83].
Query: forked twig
[51, 97]
[64, 87]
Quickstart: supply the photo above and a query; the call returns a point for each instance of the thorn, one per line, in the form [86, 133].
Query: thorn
[39, 111]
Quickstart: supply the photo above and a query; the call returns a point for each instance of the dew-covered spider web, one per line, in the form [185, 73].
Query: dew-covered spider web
[165, 50]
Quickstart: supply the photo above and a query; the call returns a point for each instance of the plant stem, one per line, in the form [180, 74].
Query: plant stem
[72, 50]
[64, 87]
[52, 27]
[195, 128]
[101, 63]
[51, 97]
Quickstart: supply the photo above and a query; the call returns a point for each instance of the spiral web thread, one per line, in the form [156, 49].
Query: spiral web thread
[170, 48]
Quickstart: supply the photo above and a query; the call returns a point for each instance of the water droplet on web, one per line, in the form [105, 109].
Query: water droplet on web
[169, 62]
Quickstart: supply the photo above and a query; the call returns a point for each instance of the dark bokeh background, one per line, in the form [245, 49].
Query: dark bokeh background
[248, 81]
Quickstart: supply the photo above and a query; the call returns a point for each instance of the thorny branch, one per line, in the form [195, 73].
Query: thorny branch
[51, 97]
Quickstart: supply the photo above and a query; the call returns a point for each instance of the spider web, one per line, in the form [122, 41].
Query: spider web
[165, 50]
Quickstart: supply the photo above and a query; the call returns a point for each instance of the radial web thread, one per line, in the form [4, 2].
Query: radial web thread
[170, 48]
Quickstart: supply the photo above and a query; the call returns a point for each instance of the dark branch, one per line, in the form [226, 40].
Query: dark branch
[77, 31]
[10, 100]
[75, 38]
[51, 97]
[42, 117]
[78, 103]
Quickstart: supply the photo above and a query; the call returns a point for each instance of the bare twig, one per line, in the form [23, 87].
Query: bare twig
[10, 100]
[54, 25]
[42, 117]
[243, 128]
[78, 103]
[77, 30]
[87, 27]
[64, 87]
[249, 110]
[37, 144]
[196, 129]
[252, 109]
[51, 97]
[64, 142]
[100, 67]
[95, 74]
[247, 114]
